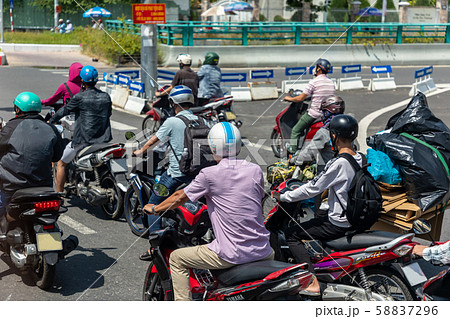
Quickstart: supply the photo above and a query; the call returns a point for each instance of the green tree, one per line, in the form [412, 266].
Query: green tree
[70, 6]
[298, 4]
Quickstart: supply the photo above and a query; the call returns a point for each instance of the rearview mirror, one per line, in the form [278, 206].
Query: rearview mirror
[130, 136]
[421, 226]
[160, 190]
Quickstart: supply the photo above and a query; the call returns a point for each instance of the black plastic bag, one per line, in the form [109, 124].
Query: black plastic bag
[423, 164]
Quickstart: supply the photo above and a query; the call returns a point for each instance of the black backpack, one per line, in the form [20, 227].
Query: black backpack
[364, 203]
[196, 154]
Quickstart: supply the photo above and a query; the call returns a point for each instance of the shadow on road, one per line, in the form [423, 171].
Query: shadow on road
[97, 212]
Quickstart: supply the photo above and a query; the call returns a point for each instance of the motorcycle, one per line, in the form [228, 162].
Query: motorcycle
[286, 120]
[30, 236]
[97, 174]
[261, 280]
[354, 267]
[215, 111]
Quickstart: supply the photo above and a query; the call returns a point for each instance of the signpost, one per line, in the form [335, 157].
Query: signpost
[154, 13]
[234, 77]
[166, 75]
[381, 69]
[133, 74]
[261, 74]
[295, 71]
[123, 79]
[136, 86]
[356, 68]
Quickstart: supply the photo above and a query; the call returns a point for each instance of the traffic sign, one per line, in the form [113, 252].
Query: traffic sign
[166, 75]
[419, 73]
[311, 69]
[261, 74]
[355, 68]
[105, 76]
[123, 79]
[428, 70]
[110, 78]
[134, 74]
[153, 13]
[234, 77]
[11, 4]
[136, 86]
[381, 69]
[295, 71]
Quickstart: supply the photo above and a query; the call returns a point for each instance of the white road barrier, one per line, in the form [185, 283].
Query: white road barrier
[120, 97]
[263, 90]
[293, 84]
[241, 94]
[424, 82]
[134, 104]
[378, 84]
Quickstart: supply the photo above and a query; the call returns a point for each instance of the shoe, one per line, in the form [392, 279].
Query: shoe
[145, 256]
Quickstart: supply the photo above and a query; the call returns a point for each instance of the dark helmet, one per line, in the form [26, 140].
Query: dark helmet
[211, 58]
[344, 126]
[324, 65]
[333, 104]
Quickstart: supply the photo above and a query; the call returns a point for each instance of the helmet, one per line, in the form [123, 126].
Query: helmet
[211, 58]
[324, 65]
[99, 20]
[224, 139]
[89, 74]
[28, 102]
[68, 21]
[344, 126]
[61, 20]
[184, 58]
[181, 94]
[333, 104]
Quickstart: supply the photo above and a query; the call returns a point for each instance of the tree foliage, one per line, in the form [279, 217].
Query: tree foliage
[71, 6]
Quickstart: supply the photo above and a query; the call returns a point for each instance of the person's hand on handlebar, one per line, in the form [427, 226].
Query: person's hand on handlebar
[276, 196]
[149, 209]
[138, 152]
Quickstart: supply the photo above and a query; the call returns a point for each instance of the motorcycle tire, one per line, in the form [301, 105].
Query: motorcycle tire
[153, 290]
[267, 205]
[278, 148]
[381, 279]
[44, 274]
[134, 214]
[115, 209]
[150, 126]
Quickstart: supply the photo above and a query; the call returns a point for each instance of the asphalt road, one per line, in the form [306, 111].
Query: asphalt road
[106, 266]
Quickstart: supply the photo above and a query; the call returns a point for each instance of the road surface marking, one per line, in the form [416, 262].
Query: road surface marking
[257, 146]
[79, 227]
[122, 127]
[368, 119]
[9, 297]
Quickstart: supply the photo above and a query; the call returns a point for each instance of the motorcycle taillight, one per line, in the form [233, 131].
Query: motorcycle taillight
[117, 153]
[51, 205]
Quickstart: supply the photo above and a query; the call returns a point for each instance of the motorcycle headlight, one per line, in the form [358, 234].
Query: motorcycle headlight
[402, 250]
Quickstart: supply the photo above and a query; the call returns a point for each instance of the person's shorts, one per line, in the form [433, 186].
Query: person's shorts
[70, 153]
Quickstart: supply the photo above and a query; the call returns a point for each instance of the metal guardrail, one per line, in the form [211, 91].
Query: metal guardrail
[186, 33]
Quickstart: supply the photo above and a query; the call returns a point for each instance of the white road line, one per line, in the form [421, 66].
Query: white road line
[122, 127]
[9, 297]
[366, 121]
[76, 225]
[257, 146]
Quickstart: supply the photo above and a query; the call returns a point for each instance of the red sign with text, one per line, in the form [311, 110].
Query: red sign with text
[154, 13]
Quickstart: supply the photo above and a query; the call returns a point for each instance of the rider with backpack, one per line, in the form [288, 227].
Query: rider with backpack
[173, 131]
[346, 214]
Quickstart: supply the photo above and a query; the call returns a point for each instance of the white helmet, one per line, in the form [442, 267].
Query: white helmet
[184, 58]
[224, 139]
[181, 94]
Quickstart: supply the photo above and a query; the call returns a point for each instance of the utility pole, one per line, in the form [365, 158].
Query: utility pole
[56, 13]
[2, 37]
[383, 11]
[149, 57]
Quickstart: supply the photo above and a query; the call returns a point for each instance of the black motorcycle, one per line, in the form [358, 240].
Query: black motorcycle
[30, 236]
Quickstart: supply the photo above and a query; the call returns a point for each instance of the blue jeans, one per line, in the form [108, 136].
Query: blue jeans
[172, 183]
[5, 198]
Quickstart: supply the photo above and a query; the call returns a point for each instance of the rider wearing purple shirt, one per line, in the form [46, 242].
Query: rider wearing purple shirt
[233, 189]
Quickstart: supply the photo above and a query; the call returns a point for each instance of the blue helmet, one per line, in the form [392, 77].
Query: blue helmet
[89, 74]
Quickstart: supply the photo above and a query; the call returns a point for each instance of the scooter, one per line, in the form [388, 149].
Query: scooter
[30, 236]
[286, 120]
[215, 111]
[372, 264]
[261, 280]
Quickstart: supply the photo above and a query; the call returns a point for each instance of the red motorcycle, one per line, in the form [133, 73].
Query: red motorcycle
[214, 111]
[370, 265]
[189, 225]
[286, 120]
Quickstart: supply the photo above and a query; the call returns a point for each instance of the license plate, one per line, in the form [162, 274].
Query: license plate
[414, 274]
[230, 115]
[49, 241]
[119, 165]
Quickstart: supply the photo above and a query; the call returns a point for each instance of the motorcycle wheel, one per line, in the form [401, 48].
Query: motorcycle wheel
[44, 274]
[278, 147]
[387, 282]
[134, 213]
[267, 205]
[153, 290]
[114, 209]
[150, 126]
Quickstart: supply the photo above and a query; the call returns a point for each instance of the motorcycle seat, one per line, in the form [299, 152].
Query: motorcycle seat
[34, 194]
[200, 109]
[94, 148]
[248, 272]
[361, 240]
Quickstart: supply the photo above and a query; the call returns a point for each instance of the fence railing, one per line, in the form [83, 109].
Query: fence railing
[190, 33]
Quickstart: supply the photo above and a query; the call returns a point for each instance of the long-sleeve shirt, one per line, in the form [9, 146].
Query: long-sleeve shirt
[336, 177]
[440, 253]
[209, 87]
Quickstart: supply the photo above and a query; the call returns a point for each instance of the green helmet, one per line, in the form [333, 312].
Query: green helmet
[211, 58]
[28, 102]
